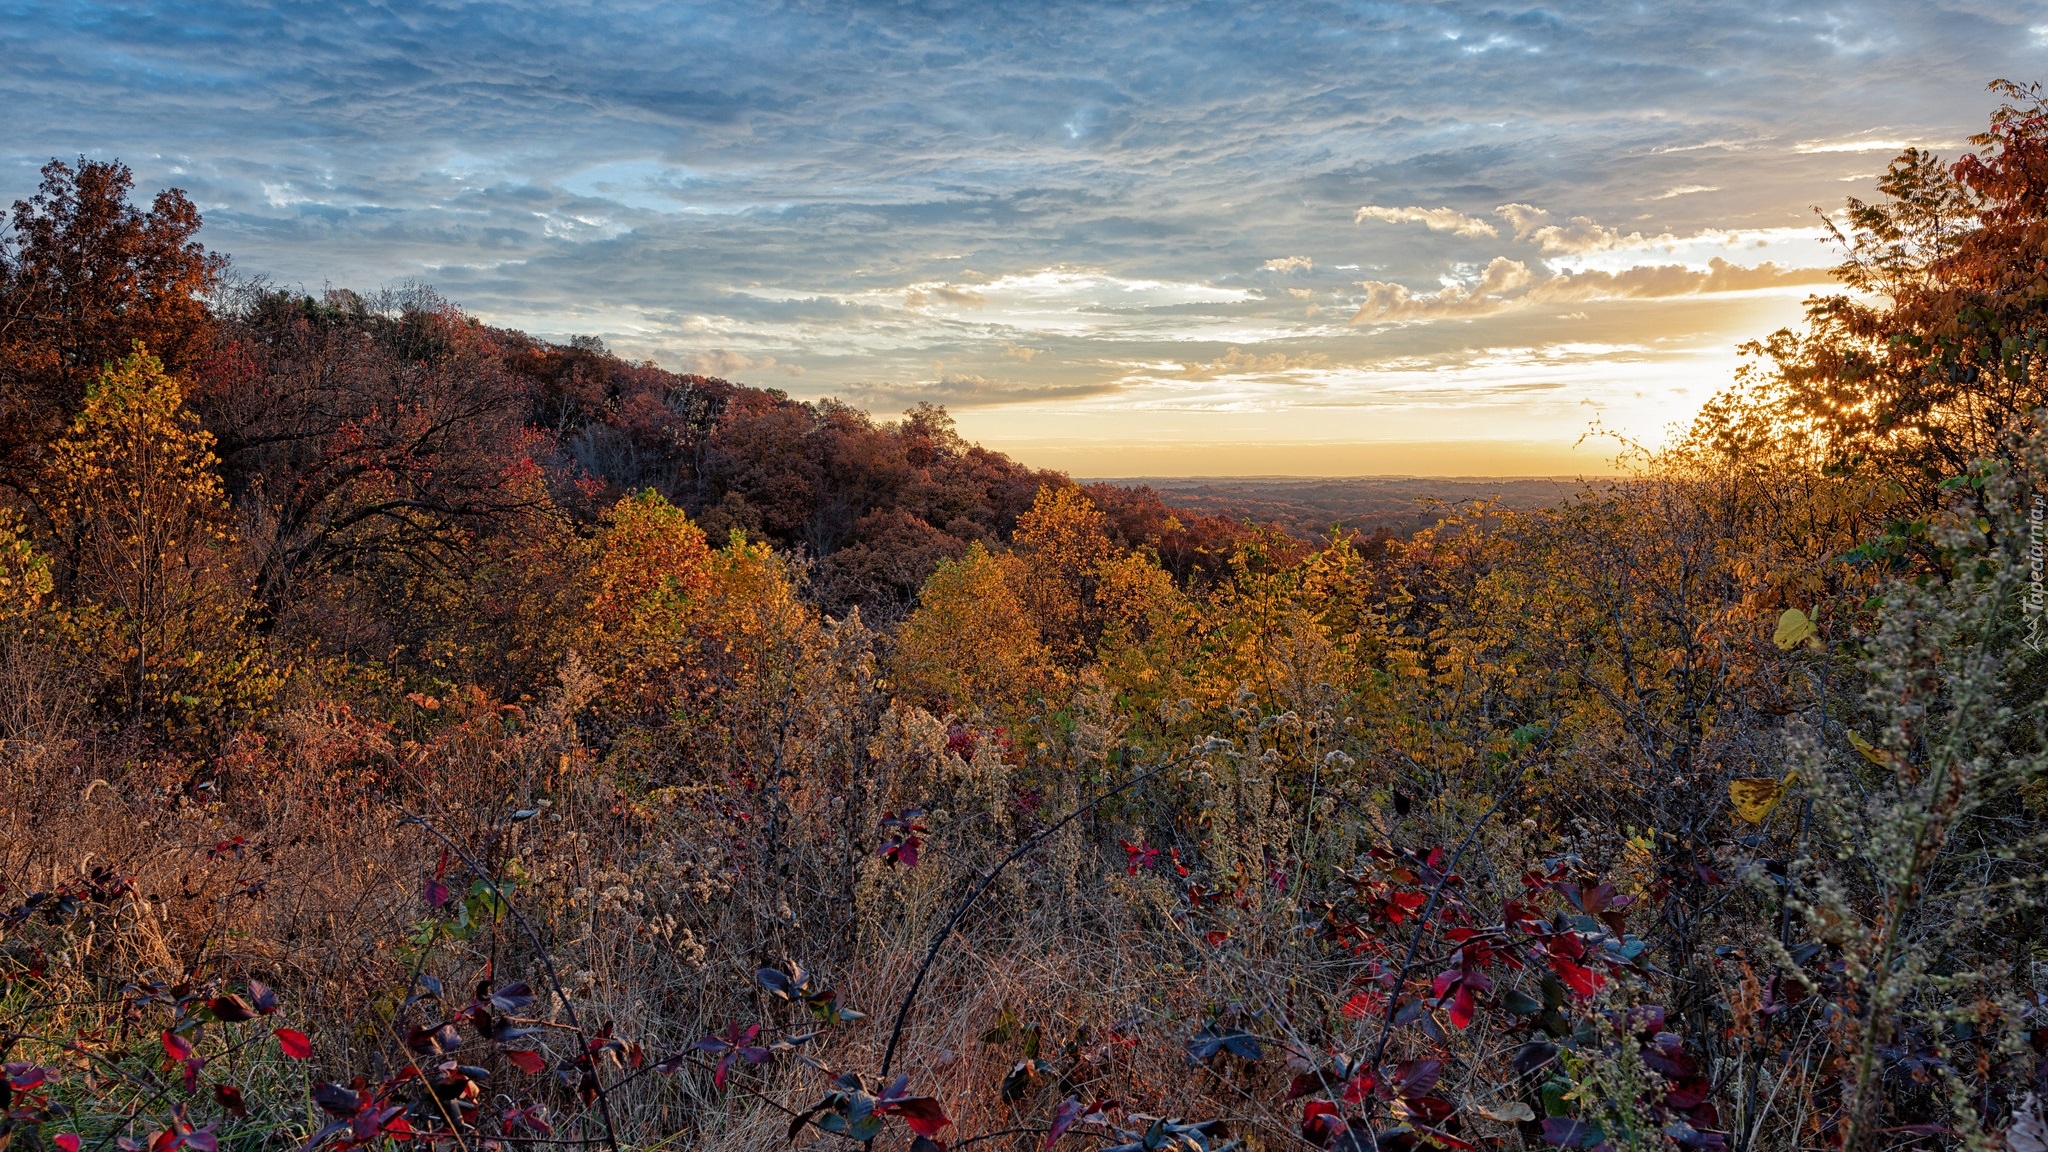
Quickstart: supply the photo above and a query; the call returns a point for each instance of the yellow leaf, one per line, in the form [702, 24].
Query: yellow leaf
[1793, 627]
[1871, 752]
[1507, 1113]
[1754, 797]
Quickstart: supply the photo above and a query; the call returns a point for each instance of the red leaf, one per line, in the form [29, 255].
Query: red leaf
[1439, 1136]
[293, 1043]
[1215, 937]
[1462, 1007]
[68, 1141]
[230, 1008]
[922, 1113]
[177, 1047]
[526, 1060]
[1414, 1078]
[1137, 857]
[1430, 1109]
[1321, 1122]
[1582, 981]
[1365, 1004]
[1063, 1118]
[230, 1097]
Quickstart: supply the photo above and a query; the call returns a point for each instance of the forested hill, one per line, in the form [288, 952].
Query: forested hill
[394, 426]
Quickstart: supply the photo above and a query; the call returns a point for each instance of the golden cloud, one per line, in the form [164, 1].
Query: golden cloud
[1509, 284]
[1237, 362]
[925, 295]
[1435, 219]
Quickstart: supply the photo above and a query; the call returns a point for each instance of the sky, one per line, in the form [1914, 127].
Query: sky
[1120, 239]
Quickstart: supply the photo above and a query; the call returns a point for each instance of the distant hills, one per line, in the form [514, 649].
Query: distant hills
[1310, 507]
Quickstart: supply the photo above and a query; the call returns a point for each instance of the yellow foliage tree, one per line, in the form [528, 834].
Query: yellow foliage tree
[972, 641]
[1064, 543]
[646, 587]
[148, 564]
[1148, 630]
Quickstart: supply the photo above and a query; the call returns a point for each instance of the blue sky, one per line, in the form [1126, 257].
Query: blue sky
[1116, 238]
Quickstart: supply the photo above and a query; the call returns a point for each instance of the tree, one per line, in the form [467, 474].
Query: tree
[84, 275]
[146, 560]
[761, 450]
[367, 432]
[1064, 542]
[972, 642]
[1941, 357]
[647, 586]
[881, 571]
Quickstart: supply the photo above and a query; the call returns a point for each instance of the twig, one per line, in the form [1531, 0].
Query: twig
[1422, 926]
[547, 961]
[939, 940]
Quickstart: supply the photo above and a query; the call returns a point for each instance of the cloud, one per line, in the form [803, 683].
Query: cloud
[1020, 352]
[1685, 190]
[1650, 281]
[924, 296]
[1577, 236]
[727, 364]
[1386, 301]
[1238, 362]
[1289, 264]
[1508, 284]
[969, 390]
[1435, 219]
[1894, 146]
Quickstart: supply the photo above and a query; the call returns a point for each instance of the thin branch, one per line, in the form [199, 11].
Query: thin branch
[939, 940]
[547, 962]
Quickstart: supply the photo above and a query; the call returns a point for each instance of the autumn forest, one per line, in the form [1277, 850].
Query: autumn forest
[415, 733]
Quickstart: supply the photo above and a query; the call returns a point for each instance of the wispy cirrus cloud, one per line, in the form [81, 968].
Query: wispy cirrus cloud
[969, 390]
